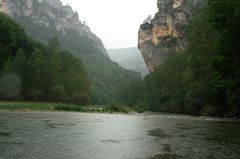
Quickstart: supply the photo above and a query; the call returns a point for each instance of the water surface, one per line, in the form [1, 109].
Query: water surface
[106, 136]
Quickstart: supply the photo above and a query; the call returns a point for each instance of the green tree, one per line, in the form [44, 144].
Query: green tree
[58, 94]
[224, 15]
[80, 98]
[12, 39]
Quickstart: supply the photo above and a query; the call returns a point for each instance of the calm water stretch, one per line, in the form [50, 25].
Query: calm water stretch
[104, 136]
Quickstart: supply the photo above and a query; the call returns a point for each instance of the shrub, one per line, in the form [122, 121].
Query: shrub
[10, 87]
[58, 94]
[139, 109]
[117, 107]
[67, 107]
[80, 98]
[36, 95]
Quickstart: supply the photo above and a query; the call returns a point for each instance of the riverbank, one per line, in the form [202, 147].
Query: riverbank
[52, 107]
[108, 109]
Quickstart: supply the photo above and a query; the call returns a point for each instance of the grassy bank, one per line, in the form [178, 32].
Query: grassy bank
[39, 106]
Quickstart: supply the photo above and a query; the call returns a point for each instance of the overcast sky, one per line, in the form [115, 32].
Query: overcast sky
[116, 22]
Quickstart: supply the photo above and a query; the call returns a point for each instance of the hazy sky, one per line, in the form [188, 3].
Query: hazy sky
[116, 22]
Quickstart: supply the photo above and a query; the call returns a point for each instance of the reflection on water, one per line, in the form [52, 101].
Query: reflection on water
[103, 136]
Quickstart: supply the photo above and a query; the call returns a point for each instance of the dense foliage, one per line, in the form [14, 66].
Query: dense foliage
[30, 70]
[205, 78]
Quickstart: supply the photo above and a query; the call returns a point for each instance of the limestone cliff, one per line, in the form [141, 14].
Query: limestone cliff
[50, 13]
[163, 34]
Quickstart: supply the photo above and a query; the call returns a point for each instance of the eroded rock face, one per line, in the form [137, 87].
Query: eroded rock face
[164, 33]
[50, 13]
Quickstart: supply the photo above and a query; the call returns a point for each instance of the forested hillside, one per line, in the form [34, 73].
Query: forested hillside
[204, 79]
[33, 71]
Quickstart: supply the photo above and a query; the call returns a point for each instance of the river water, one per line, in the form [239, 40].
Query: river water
[105, 136]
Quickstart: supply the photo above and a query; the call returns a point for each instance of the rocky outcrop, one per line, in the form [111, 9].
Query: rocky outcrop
[163, 34]
[51, 13]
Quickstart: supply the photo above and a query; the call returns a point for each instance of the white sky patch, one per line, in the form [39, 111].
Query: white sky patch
[115, 22]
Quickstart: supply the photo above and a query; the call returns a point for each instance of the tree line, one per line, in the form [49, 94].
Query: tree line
[33, 71]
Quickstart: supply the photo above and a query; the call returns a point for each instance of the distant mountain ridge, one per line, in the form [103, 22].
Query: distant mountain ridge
[129, 58]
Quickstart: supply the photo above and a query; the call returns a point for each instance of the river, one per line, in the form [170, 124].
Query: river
[41, 135]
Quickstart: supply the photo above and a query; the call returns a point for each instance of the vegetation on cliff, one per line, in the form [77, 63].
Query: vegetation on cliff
[205, 78]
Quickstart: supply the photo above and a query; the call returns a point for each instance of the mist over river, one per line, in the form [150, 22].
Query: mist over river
[40, 135]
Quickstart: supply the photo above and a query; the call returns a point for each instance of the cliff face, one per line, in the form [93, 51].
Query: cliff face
[50, 13]
[163, 34]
